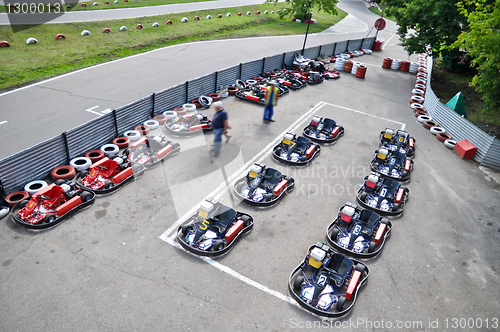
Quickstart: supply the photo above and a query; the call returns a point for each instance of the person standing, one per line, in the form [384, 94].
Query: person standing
[220, 126]
[271, 100]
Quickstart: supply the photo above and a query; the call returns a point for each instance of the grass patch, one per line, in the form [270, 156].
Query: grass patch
[447, 83]
[384, 8]
[21, 63]
[101, 5]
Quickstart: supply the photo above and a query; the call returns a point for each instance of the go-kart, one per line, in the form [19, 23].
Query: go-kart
[151, 150]
[401, 141]
[256, 92]
[263, 186]
[51, 205]
[4, 205]
[327, 283]
[294, 150]
[214, 229]
[323, 130]
[187, 125]
[107, 175]
[393, 164]
[358, 232]
[382, 194]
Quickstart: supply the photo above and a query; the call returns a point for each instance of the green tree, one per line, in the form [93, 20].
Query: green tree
[482, 42]
[301, 9]
[426, 22]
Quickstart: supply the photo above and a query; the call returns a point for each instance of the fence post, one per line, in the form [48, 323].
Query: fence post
[241, 68]
[283, 62]
[115, 121]
[334, 48]
[263, 65]
[187, 90]
[216, 79]
[347, 46]
[153, 108]
[66, 147]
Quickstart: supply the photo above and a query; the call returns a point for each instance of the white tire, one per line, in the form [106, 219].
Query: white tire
[423, 118]
[416, 90]
[132, 135]
[418, 99]
[208, 17]
[152, 124]
[436, 130]
[4, 211]
[85, 33]
[156, 24]
[123, 28]
[34, 186]
[450, 144]
[184, 20]
[95, 4]
[110, 149]
[31, 40]
[189, 107]
[116, 1]
[265, 12]
[228, 14]
[415, 105]
[80, 163]
[248, 13]
[170, 114]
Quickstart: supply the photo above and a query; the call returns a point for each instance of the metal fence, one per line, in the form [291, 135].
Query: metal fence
[488, 147]
[37, 162]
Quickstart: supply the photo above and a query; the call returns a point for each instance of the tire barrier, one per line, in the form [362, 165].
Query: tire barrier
[339, 64]
[422, 81]
[429, 124]
[110, 149]
[106, 2]
[142, 129]
[228, 14]
[443, 136]
[65, 172]
[68, 6]
[219, 16]
[361, 72]
[16, 196]
[422, 75]
[106, 30]
[214, 96]
[184, 20]
[248, 13]
[59, 36]
[132, 135]
[85, 33]
[83, 5]
[95, 4]
[450, 144]
[420, 86]
[405, 66]
[396, 63]
[355, 67]
[272, 11]
[415, 105]
[367, 51]
[170, 21]
[123, 28]
[423, 118]
[348, 66]
[377, 46]
[413, 68]
[239, 14]
[160, 118]
[155, 25]
[170, 114]
[417, 92]
[31, 40]
[152, 124]
[420, 109]
[417, 99]
[265, 12]
[208, 17]
[387, 63]
[196, 103]
[205, 101]
[418, 113]
[80, 163]
[116, 1]
[4, 43]
[437, 130]
[34, 186]
[121, 142]
[231, 90]
[138, 26]
[189, 107]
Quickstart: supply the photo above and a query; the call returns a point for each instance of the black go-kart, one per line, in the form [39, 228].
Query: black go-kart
[256, 92]
[399, 141]
[358, 232]
[314, 77]
[214, 229]
[150, 151]
[326, 282]
[188, 125]
[323, 130]
[263, 186]
[393, 164]
[299, 151]
[382, 194]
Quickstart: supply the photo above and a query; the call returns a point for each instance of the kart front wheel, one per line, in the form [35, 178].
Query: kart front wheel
[109, 184]
[49, 218]
[340, 303]
[86, 196]
[186, 229]
[219, 245]
[23, 204]
[362, 197]
[297, 284]
[371, 247]
[335, 234]
[60, 181]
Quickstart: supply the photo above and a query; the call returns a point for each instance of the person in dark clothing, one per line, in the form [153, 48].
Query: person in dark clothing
[220, 126]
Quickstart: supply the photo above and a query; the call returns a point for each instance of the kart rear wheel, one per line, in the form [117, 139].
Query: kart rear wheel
[361, 267]
[362, 197]
[86, 197]
[23, 204]
[49, 217]
[269, 197]
[246, 220]
[334, 234]
[60, 181]
[340, 303]
[186, 229]
[372, 246]
[297, 283]
[219, 245]
[395, 207]
[84, 174]
[384, 221]
[109, 184]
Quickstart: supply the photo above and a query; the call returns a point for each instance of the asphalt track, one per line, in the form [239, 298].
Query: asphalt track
[106, 269]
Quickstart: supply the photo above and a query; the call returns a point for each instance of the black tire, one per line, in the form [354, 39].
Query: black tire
[126, 152]
[49, 218]
[86, 197]
[303, 158]
[362, 197]
[109, 184]
[246, 220]
[361, 267]
[384, 221]
[84, 174]
[297, 283]
[278, 151]
[60, 181]
[288, 178]
[334, 234]
[112, 156]
[218, 245]
[340, 303]
[395, 207]
[269, 197]
[404, 174]
[307, 131]
[371, 247]
[23, 203]
[186, 229]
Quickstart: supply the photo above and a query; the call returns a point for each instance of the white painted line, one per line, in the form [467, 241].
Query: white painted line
[1, 123]
[106, 111]
[91, 110]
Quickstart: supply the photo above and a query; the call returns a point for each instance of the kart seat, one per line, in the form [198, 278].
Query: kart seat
[302, 144]
[192, 120]
[392, 187]
[222, 218]
[368, 219]
[271, 176]
[400, 157]
[328, 125]
[338, 267]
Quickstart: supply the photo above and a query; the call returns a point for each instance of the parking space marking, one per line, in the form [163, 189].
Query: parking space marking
[91, 110]
[220, 190]
[1, 123]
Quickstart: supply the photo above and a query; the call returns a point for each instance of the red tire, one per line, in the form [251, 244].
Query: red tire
[83, 5]
[196, 18]
[121, 142]
[4, 43]
[16, 197]
[180, 110]
[160, 118]
[138, 26]
[60, 35]
[65, 172]
[143, 129]
[420, 109]
[232, 90]
[429, 124]
[214, 96]
[95, 155]
[169, 22]
[443, 136]
[417, 113]
[106, 30]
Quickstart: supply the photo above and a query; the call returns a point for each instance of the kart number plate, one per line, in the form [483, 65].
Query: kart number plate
[322, 280]
[383, 192]
[204, 225]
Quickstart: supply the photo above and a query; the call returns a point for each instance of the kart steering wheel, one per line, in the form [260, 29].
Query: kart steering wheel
[101, 166]
[43, 197]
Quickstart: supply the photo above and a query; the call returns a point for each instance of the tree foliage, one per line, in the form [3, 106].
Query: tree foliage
[482, 42]
[426, 22]
[301, 9]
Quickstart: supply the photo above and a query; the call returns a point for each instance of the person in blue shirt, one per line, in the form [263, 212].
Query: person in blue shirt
[220, 126]
[271, 100]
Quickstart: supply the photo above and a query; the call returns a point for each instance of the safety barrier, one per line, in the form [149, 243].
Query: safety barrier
[488, 147]
[37, 162]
